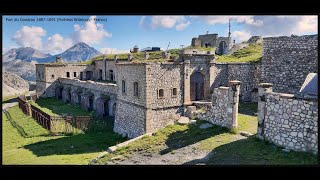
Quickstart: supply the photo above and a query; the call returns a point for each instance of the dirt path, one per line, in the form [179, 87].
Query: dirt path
[188, 155]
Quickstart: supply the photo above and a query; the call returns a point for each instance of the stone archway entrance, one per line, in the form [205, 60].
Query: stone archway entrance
[197, 86]
[222, 48]
[105, 109]
[58, 92]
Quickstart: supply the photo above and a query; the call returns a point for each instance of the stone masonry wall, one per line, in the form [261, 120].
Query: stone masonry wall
[289, 121]
[166, 77]
[130, 119]
[222, 73]
[163, 117]
[286, 61]
[223, 110]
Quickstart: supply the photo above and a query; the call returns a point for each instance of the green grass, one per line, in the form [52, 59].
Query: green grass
[77, 149]
[55, 107]
[252, 53]
[138, 57]
[26, 125]
[227, 147]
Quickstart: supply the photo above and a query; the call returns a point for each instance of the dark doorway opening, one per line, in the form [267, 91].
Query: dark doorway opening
[89, 75]
[197, 86]
[222, 48]
[106, 109]
[111, 75]
[79, 99]
[100, 74]
[90, 108]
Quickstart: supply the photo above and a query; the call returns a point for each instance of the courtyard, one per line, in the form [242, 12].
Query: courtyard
[26, 142]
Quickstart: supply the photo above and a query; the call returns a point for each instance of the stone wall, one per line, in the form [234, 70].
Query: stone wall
[208, 38]
[223, 109]
[288, 120]
[162, 117]
[165, 77]
[286, 61]
[247, 73]
[130, 119]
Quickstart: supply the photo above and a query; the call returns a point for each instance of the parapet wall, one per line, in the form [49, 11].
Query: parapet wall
[92, 85]
[288, 120]
[286, 61]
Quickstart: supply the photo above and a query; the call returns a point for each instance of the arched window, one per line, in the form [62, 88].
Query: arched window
[161, 93]
[123, 86]
[68, 74]
[135, 88]
[111, 77]
[174, 92]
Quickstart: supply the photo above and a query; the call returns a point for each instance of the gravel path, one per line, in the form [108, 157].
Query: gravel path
[188, 155]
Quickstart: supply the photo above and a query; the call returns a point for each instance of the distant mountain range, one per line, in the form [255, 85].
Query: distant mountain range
[78, 52]
[21, 61]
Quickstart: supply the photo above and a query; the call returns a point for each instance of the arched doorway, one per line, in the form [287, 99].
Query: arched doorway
[59, 92]
[197, 86]
[89, 75]
[90, 106]
[222, 47]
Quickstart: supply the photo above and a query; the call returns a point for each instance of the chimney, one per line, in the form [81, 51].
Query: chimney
[58, 59]
[146, 55]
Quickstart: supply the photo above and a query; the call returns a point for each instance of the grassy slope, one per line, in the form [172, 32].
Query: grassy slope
[77, 149]
[226, 145]
[252, 53]
[53, 106]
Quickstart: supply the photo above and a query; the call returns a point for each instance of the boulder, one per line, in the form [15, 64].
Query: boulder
[184, 120]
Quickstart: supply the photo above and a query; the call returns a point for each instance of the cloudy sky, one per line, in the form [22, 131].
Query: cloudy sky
[116, 34]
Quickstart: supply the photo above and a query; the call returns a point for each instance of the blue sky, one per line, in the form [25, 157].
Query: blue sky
[117, 34]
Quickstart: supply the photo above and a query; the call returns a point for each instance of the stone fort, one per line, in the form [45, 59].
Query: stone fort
[145, 96]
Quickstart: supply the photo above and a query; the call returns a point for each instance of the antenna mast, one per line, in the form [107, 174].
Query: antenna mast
[229, 29]
[168, 46]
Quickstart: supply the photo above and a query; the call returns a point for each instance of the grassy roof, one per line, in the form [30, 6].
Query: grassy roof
[251, 53]
[139, 56]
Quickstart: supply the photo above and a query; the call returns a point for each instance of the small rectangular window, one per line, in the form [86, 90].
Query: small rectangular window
[161, 93]
[68, 74]
[135, 89]
[123, 86]
[174, 92]
[74, 74]
[52, 76]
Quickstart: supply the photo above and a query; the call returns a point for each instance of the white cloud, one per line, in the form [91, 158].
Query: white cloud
[56, 44]
[90, 33]
[284, 25]
[212, 20]
[308, 24]
[113, 51]
[241, 36]
[29, 37]
[182, 26]
[177, 22]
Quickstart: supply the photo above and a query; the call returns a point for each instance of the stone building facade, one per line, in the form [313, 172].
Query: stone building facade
[145, 96]
[222, 44]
